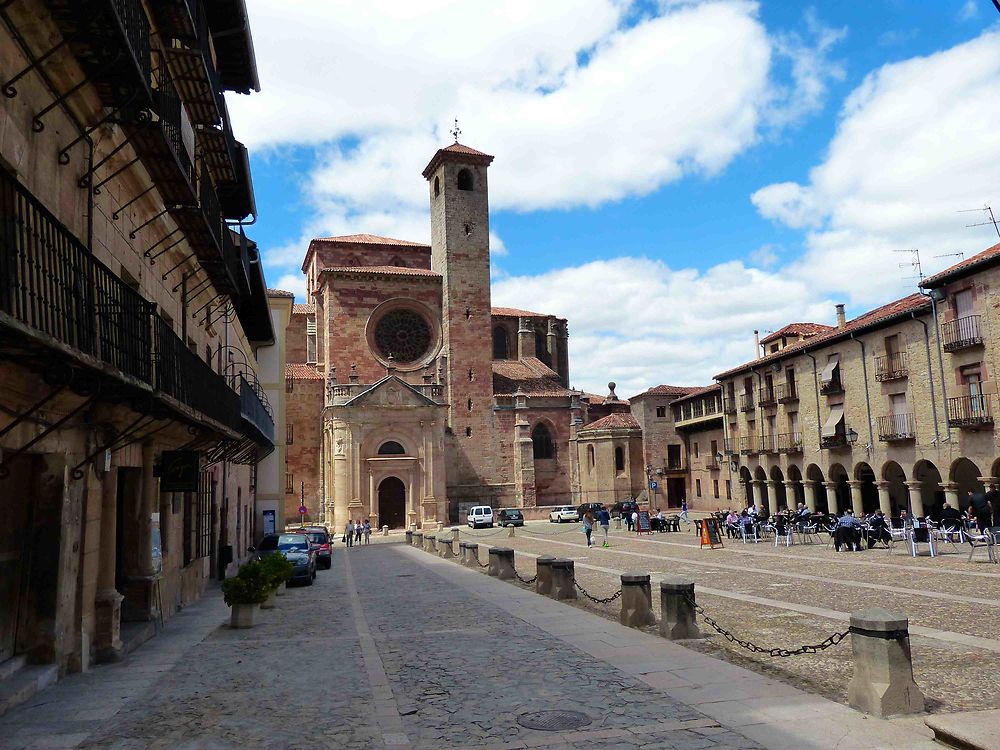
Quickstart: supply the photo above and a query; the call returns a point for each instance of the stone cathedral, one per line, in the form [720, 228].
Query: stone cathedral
[408, 397]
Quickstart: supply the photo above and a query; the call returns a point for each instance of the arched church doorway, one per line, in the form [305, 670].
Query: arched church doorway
[392, 503]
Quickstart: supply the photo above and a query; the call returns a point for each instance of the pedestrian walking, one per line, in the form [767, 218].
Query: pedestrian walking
[358, 531]
[368, 531]
[684, 512]
[628, 518]
[588, 525]
[604, 518]
[349, 533]
[635, 520]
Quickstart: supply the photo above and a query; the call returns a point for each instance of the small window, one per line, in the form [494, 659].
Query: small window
[437, 186]
[311, 341]
[590, 456]
[715, 488]
[289, 434]
[391, 448]
[468, 432]
[697, 487]
[661, 412]
[288, 385]
[541, 441]
[501, 344]
[729, 490]
[696, 450]
[619, 459]
[464, 179]
[289, 484]
[472, 375]
[469, 404]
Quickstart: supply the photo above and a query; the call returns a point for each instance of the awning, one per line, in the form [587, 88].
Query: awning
[833, 421]
[830, 369]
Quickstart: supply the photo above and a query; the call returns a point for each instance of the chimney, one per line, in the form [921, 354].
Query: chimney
[756, 343]
[841, 318]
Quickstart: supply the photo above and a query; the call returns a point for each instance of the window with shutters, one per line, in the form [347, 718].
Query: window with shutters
[311, 341]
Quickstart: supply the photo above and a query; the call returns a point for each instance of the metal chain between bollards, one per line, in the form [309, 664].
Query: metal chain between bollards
[525, 580]
[594, 599]
[823, 645]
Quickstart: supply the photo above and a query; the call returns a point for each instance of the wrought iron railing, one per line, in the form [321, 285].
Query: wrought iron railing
[134, 27]
[890, 366]
[168, 108]
[749, 445]
[254, 411]
[768, 443]
[746, 402]
[729, 446]
[961, 333]
[970, 411]
[729, 405]
[786, 392]
[766, 397]
[893, 427]
[790, 442]
[833, 385]
[209, 202]
[675, 464]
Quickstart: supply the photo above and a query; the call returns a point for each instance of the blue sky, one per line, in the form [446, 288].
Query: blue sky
[669, 175]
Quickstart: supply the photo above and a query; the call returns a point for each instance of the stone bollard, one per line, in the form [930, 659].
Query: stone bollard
[637, 601]
[409, 537]
[445, 548]
[463, 553]
[418, 539]
[618, 523]
[505, 562]
[677, 615]
[385, 531]
[543, 579]
[883, 668]
[563, 578]
[472, 552]
[510, 533]
[493, 568]
[440, 525]
[454, 534]
[430, 543]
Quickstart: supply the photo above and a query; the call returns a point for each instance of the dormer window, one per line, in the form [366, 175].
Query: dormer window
[465, 179]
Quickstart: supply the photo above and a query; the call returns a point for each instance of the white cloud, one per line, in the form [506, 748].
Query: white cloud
[638, 322]
[970, 9]
[916, 143]
[765, 256]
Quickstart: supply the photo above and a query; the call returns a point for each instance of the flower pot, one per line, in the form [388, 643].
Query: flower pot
[271, 600]
[243, 615]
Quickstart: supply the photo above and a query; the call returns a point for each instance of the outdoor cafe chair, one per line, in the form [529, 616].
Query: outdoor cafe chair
[921, 533]
[783, 533]
[950, 532]
[982, 540]
[749, 532]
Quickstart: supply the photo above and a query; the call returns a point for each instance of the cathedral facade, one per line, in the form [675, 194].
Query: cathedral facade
[409, 398]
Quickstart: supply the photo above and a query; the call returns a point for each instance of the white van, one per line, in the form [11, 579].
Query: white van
[481, 515]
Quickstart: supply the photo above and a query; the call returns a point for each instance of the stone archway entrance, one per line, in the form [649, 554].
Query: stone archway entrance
[392, 503]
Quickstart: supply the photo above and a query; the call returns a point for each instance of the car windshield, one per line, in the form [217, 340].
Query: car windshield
[317, 537]
[514, 513]
[293, 542]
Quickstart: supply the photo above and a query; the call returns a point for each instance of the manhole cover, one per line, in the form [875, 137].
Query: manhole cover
[553, 721]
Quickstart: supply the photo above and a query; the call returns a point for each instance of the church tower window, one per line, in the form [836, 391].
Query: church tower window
[619, 459]
[391, 448]
[464, 179]
[437, 187]
[310, 341]
[541, 441]
[501, 345]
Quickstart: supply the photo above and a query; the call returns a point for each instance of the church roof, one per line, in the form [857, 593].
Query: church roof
[456, 152]
[384, 271]
[614, 421]
[530, 375]
[369, 239]
[513, 312]
[302, 372]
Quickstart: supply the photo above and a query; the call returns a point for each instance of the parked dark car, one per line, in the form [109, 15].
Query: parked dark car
[510, 517]
[320, 538]
[297, 548]
[592, 507]
[623, 508]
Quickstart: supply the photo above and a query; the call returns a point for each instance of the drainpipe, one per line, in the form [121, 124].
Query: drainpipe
[819, 428]
[868, 401]
[930, 370]
[937, 337]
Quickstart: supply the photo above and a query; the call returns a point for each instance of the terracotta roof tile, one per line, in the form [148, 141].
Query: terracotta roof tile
[700, 392]
[302, 372]
[666, 390]
[370, 239]
[969, 265]
[532, 376]
[456, 152]
[458, 148]
[279, 293]
[797, 329]
[303, 309]
[870, 319]
[614, 421]
[384, 271]
[513, 312]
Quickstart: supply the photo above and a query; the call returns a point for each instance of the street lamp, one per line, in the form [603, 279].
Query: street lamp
[852, 436]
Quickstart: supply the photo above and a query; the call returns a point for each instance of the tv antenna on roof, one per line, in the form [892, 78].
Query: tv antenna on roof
[914, 262]
[456, 131]
[985, 209]
[957, 254]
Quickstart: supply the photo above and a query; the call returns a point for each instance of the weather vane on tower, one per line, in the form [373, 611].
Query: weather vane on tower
[457, 131]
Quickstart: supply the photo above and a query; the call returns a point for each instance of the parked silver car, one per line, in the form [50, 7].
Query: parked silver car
[299, 550]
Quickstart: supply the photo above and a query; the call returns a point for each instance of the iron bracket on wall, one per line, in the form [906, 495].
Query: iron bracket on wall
[177, 265]
[126, 437]
[85, 404]
[37, 126]
[88, 176]
[27, 414]
[118, 212]
[167, 249]
[9, 89]
[146, 223]
[160, 242]
[64, 153]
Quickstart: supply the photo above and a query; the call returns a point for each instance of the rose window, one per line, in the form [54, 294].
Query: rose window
[404, 335]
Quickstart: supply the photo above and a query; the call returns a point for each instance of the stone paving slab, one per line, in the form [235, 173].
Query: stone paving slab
[974, 730]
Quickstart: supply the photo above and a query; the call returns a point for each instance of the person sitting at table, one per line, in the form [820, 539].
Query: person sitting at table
[732, 524]
[951, 516]
[847, 532]
[763, 514]
[878, 529]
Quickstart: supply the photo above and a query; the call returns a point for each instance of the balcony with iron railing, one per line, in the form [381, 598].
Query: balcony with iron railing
[838, 440]
[192, 59]
[972, 411]
[729, 446]
[768, 443]
[749, 445]
[891, 366]
[832, 386]
[790, 442]
[57, 298]
[746, 401]
[767, 397]
[729, 405]
[961, 333]
[894, 428]
[786, 393]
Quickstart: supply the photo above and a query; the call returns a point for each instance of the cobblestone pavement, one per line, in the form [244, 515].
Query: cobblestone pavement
[790, 596]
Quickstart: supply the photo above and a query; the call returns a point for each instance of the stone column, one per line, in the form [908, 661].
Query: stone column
[772, 496]
[951, 494]
[857, 502]
[525, 339]
[791, 498]
[371, 493]
[677, 615]
[989, 483]
[543, 577]
[832, 502]
[563, 577]
[138, 604]
[883, 669]
[107, 635]
[759, 493]
[809, 490]
[914, 488]
[637, 601]
[884, 501]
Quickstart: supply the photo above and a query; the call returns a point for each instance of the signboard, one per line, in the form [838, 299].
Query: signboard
[653, 485]
[643, 527]
[269, 521]
[302, 510]
[179, 471]
[711, 535]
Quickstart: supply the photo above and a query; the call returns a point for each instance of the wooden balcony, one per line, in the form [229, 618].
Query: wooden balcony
[895, 428]
[891, 366]
[961, 333]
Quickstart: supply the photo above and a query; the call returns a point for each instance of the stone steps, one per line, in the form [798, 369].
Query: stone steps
[24, 683]
[968, 730]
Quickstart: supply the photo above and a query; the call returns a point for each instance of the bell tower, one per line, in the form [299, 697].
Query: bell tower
[460, 252]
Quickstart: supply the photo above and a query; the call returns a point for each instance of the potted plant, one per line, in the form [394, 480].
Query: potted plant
[277, 569]
[245, 592]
